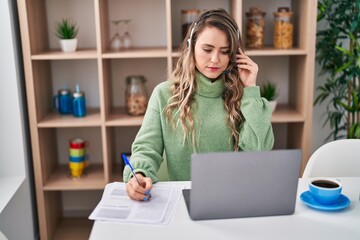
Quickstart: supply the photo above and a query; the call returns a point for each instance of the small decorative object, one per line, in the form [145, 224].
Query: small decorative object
[78, 159]
[79, 104]
[283, 28]
[63, 101]
[136, 95]
[255, 28]
[269, 91]
[188, 16]
[66, 31]
[116, 42]
[126, 37]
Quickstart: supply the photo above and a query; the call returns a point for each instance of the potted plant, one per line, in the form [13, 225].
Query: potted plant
[269, 91]
[338, 53]
[66, 31]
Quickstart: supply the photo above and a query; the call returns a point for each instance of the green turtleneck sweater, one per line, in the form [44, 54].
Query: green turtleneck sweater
[157, 137]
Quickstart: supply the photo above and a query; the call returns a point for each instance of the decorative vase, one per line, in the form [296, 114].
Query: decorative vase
[68, 45]
[273, 104]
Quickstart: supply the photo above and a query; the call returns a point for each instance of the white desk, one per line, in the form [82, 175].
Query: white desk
[304, 224]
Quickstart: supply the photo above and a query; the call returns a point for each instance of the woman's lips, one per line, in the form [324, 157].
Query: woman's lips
[213, 69]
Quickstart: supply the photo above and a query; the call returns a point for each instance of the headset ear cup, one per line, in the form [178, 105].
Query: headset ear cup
[188, 42]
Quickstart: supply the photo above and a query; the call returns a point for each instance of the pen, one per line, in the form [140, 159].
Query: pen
[127, 162]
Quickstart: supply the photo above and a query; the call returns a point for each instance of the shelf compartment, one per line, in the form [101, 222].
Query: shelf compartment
[73, 228]
[177, 6]
[286, 114]
[142, 35]
[59, 55]
[61, 181]
[114, 73]
[119, 117]
[54, 119]
[156, 52]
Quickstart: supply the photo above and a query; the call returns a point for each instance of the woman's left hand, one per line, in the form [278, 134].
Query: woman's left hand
[248, 69]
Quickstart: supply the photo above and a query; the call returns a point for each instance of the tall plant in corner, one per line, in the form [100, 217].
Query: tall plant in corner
[338, 53]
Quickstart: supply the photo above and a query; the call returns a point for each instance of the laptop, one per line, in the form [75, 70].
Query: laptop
[243, 184]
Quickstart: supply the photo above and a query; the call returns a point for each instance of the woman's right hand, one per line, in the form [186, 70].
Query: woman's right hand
[136, 192]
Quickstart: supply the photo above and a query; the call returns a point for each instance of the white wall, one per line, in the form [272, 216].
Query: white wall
[15, 157]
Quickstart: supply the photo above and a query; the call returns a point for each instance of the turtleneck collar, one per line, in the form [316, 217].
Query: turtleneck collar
[207, 88]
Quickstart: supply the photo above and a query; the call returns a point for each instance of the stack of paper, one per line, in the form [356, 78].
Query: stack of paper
[116, 206]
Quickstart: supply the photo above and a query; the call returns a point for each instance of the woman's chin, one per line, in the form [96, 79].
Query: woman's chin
[212, 75]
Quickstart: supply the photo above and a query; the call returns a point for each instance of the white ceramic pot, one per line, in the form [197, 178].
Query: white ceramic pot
[273, 105]
[68, 45]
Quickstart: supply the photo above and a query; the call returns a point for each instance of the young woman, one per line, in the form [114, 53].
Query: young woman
[210, 104]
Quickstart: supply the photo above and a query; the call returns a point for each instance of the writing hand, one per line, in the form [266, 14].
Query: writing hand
[248, 69]
[136, 192]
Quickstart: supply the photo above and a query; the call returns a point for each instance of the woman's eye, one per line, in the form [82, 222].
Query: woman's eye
[226, 52]
[207, 50]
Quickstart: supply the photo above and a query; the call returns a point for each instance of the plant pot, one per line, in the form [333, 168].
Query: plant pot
[273, 105]
[68, 45]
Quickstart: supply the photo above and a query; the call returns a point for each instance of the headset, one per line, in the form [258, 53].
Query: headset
[203, 17]
[206, 16]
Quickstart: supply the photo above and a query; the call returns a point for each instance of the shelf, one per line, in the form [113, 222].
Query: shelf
[137, 53]
[73, 228]
[61, 181]
[270, 51]
[286, 114]
[282, 114]
[59, 55]
[54, 119]
[119, 118]
[267, 51]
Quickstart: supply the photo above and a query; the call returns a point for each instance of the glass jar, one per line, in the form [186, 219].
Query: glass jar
[255, 28]
[283, 28]
[136, 95]
[188, 16]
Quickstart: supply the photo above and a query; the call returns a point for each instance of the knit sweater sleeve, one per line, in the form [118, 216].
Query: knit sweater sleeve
[147, 148]
[256, 131]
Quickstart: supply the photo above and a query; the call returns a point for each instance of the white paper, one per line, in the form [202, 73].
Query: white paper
[116, 206]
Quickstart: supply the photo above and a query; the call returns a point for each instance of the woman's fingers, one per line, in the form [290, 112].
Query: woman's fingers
[247, 68]
[139, 192]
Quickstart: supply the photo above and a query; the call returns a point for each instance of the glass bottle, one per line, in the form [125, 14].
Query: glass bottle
[79, 103]
[283, 28]
[255, 28]
[136, 95]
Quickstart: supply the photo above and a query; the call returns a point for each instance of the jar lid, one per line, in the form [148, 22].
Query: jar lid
[135, 78]
[78, 94]
[64, 91]
[283, 12]
[255, 11]
[190, 11]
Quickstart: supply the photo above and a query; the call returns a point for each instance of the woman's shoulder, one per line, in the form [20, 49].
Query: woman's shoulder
[163, 88]
[161, 93]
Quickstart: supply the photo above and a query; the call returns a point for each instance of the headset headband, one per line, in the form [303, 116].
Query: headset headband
[204, 17]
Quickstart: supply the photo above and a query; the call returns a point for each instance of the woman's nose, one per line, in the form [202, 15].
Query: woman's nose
[215, 57]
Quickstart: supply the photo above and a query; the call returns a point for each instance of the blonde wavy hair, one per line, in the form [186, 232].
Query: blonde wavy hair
[184, 77]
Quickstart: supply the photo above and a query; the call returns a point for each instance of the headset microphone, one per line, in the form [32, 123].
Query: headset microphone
[226, 71]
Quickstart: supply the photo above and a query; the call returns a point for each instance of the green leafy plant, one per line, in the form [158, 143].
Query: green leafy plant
[268, 91]
[66, 29]
[338, 53]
